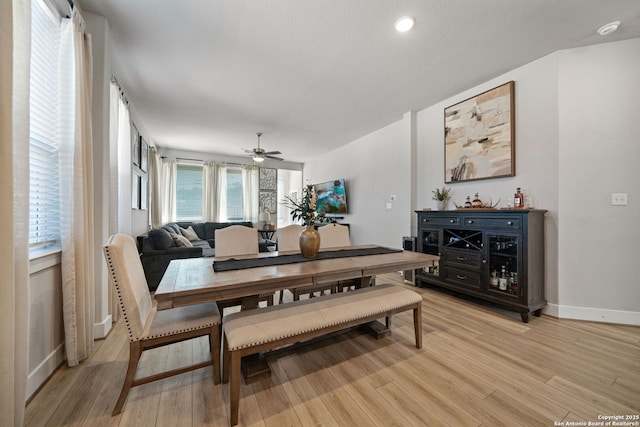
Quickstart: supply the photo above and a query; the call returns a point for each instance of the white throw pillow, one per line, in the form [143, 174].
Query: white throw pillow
[181, 241]
[189, 233]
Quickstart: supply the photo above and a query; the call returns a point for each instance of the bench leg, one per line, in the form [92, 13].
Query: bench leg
[417, 324]
[234, 388]
[214, 346]
[225, 361]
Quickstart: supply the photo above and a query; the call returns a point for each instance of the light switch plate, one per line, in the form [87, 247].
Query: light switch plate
[619, 199]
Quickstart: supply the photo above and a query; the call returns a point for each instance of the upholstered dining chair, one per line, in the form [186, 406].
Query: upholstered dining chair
[150, 328]
[333, 236]
[288, 238]
[238, 240]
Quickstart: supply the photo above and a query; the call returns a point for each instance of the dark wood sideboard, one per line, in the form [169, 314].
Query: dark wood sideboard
[473, 244]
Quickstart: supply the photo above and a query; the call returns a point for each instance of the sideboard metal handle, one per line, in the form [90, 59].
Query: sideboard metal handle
[470, 221]
[461, 258]
[461, 277]
[509, 222]
[452, 221]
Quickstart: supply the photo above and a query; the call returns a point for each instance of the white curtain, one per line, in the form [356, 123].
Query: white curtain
[209, 192]
[15, 27]
[155, 208]
[222, 193]
[168, 191]
[120, 166]
[76, 191]
[250, 193]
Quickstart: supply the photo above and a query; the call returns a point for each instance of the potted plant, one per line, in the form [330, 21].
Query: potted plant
[442, 197]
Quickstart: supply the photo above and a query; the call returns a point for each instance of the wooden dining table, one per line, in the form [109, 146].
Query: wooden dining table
[193, 281]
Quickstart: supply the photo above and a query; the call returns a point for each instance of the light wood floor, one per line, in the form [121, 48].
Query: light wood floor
[479, 366]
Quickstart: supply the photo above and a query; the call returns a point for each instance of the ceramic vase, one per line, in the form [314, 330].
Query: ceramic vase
[441, 205]
[309, 242]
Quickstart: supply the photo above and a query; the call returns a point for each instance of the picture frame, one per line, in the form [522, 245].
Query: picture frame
[268, 201]
[135, 191]
[144, 193]
[268, 179]
[135, 146]
[144, 155]
[479, 136]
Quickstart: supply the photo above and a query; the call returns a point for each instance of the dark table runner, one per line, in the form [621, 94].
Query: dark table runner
[237, 264]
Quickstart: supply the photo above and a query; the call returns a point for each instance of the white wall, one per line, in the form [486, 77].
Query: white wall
[576, 142]
[374, 167]
[599, 155]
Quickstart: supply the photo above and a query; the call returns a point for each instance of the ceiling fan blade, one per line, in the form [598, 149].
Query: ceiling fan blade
[272, 152]
[273, 157]
[247, 151]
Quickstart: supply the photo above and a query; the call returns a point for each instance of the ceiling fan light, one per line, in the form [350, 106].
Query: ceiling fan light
[258, 159]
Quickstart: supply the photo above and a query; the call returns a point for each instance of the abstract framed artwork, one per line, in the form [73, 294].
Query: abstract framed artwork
[479, 136]
[267, 201]
[135, 191]
[268, 179]
[144, 193]
[144, 155]
[135, 145]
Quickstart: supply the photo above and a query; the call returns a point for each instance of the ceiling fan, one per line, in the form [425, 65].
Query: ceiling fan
[260, 154]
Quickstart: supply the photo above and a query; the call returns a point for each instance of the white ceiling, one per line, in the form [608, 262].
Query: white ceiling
[312, 75]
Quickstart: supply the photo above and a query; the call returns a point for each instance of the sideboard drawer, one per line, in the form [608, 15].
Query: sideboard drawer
[465, 259]
[469, 279]
[440, 220]
[502, 222]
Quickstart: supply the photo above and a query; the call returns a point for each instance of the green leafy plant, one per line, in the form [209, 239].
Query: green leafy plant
[305, 208]
[442, 194]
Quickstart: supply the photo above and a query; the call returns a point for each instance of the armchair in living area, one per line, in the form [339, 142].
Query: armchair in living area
[238, 240]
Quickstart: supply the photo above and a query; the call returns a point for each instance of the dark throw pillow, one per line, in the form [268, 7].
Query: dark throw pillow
[161, 239]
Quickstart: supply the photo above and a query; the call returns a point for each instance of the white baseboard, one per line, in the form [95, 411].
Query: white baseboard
[593, 314]
[41, 373]
[102, 329]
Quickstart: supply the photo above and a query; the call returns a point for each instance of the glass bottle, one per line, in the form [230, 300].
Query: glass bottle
[514, 283]
[502, 281]
[467, 203]
[518, 199]
[493, 281]
[476, 203]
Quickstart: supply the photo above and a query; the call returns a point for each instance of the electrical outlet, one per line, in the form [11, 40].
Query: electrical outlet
[618, 199]
[389, 205]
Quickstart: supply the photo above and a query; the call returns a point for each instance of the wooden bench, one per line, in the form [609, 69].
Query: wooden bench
[252, 331]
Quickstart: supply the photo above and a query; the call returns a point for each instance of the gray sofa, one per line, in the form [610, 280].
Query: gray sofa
[157, 248]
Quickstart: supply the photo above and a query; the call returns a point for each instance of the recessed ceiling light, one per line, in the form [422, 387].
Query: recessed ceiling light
[608, 28]
[405, 23]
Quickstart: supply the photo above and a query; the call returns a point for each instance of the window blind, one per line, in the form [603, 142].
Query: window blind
[188, 192]
[235, 209]
[44, 194]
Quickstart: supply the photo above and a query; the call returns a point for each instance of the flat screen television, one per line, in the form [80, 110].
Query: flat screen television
[331, 197]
